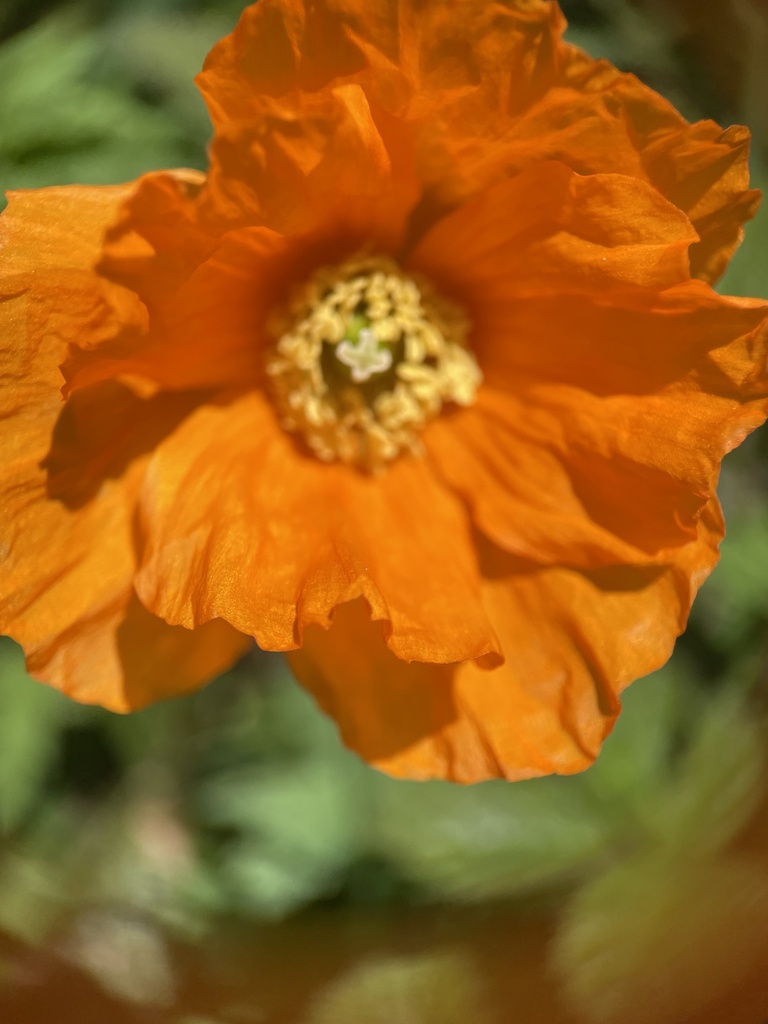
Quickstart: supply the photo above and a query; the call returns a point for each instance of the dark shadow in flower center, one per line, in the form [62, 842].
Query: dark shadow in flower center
[338, 378]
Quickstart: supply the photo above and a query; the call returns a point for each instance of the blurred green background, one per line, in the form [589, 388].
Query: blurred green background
[221, 859]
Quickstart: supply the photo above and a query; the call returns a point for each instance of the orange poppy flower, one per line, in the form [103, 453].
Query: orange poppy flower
[425, 383]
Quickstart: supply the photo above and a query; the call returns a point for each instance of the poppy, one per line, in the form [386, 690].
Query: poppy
[424, 383]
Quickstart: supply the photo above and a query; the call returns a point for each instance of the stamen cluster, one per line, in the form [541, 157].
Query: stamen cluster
[364, 356]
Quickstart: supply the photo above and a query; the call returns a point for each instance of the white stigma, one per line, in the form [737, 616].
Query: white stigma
[364, 357]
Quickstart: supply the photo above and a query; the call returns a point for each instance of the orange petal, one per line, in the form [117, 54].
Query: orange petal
[283, 45]
[70, 496]
[585, 113]
[472, 92]
[559, 233]
[208, 333]
[608, 122]
[586, 457]
[50, 241]
[572, 641]
[479, 59]
[540, 493]
[69, 474]
[240, 526]
[194, 307]
[392, 714]
[705, 171]
[123, 658]
[293, 125]
[608, 405]
[304, 95]
[280, 46]
[292, 161]
[153, 247]
[592, 458]
[101, 435]
[701, 168]
[58, 231]
[157, 242]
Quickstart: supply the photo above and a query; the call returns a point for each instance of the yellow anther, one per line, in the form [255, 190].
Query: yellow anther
[363, 357]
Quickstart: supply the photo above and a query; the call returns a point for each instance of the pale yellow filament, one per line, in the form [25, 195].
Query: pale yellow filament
[364, 356]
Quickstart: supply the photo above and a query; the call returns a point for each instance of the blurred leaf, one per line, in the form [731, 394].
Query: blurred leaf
[490, 839]
[735, 600]
[59, 123]
[720, 780]
[298, 831]
[634, 763]
[127, 954]
[152, 732]
[438, 988]
[295, 822]
[30, 720]
[659, 938]
[33, 887]
[162, 53]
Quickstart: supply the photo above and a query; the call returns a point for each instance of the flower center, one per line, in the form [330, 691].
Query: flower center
[364, 357]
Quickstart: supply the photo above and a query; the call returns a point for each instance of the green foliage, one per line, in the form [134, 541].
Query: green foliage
[62, 121]
[718, 784]
[294, 821]
[491, 839]
[30, 720]
[733, 603]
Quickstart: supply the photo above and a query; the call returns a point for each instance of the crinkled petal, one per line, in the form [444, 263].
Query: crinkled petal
[149, 252]
[239, 525]
[69, 474]
[292, 125]
[544, 495]
[595, 119]
[200, 311]
[157, 241]
[282, 45]
[572, 642]
[48, 578]
[67, 590]
[480, 61]
[209, 333]
[460, 95]
[559, 232]
[294, 163]
[123, 658]
[391, 713]
[701, 168]
[591, 117]
[612, 461]
[302, 96]
[614, 385]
